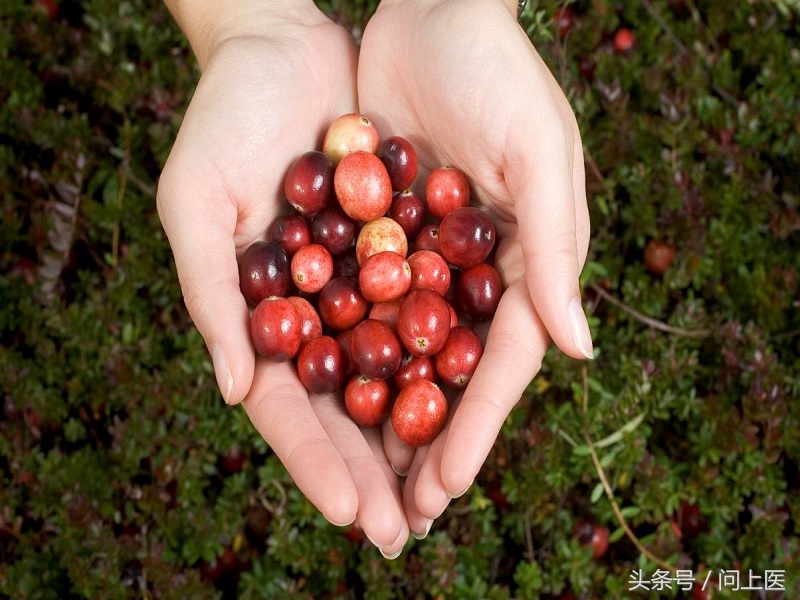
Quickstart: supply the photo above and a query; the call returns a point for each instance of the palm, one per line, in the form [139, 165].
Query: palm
[462, 82]
[260, 104]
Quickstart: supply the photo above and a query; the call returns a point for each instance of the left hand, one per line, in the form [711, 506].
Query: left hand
[462, 82]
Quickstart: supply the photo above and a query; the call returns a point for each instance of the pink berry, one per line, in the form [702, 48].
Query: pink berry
[384, 277]
[362, 186]
[446, 189]
[275, 329]
[423, 322]
[429, 270]
[310, 323]
[367, 400]
[350, 133]
[312, 268]
[419, 413]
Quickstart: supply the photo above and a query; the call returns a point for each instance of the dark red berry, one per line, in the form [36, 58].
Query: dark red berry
[466, 237]
[400, 159]
[309, 182]
[375, 349]
[275, 328]
[320, 366]
[264, 272]
[478, 292]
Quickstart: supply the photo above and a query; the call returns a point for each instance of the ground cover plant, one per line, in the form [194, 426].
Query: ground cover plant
[673, 456]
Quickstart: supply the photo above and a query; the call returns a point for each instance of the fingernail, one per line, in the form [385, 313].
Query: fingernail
[398, 471]
[462, 492]
[391, 556]
[222, 371]
[350, 522]
[428, 524]
[579, 327]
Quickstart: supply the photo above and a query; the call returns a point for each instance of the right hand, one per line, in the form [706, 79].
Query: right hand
[264, 98]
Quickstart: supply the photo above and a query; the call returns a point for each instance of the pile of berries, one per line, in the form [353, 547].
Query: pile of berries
[370, 287]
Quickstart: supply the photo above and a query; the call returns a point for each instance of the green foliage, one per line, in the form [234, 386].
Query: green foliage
[118, 459]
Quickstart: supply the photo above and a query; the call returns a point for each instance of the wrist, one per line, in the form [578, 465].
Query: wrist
[511, 5]
[207, 24]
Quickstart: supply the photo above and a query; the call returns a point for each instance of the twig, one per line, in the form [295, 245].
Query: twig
[529, 537]
[649, 321]
[610, 493]
[663, 24]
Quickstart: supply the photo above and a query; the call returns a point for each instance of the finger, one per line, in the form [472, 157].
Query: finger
[582, 225]
[279, 408]
[495, 388]
[418, 523]
[375, 441]
[200, 226]
[399, 454]
[380, 513]
[541, 178]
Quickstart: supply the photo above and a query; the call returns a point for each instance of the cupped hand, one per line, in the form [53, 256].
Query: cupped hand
[461, 81]
[264, 98]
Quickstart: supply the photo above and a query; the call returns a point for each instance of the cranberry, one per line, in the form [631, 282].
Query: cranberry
[564, 20]
[419, 413]
[350, 133]
[291, 232]
[341, 305]
[466, 237]
[400, 159]
[346, 264]
[429, 271]
[275, 328]
[362, 186]
[264, 272]
[380, 235]
[624, 40]
[587, 67]
[375, 349]
[386, 312]
[427, 239]
[348, 366]
[457, 361]
[367, 400]
[333, 229]
[658, 256]
[588, 533]
[446, 189]
[423, 322]
[232, 461]
[384, 277]
[413, 368]
[310, 323]
[320, 365]
[478, 291]
[308, 182]
[408, 209]
[312, 268]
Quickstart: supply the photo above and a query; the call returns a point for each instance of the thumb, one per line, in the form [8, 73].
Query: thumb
[550, 204]
[200, 226]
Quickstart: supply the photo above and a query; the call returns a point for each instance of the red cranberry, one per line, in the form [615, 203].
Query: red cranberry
[413, 368]
[400, 159]
[384, 277]
[367, 400]
[291, 232]
[624, 40]
[427, 239]
[320, 365]
[380, 235]
[408, 209]
[457, 361]
[564, 19]
[341, 305]
[350, 133]
[658, 256]
[588, 533]
[310, 323]
[346, 264]
[446, 189]
[429, 270]
[419, 413]
[308, 182]
[466, 237]
[264, 272]
[375, 349]
[478, 291]
[386, 312]
[344, 340]
[333, 229]
[362, 186]
[423, 322]
[275, 328]
[312, 268]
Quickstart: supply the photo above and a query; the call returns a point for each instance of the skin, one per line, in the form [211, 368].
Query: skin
[460, 80]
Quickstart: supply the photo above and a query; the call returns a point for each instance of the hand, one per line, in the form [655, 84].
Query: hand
[267, 93]
[462, 82]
